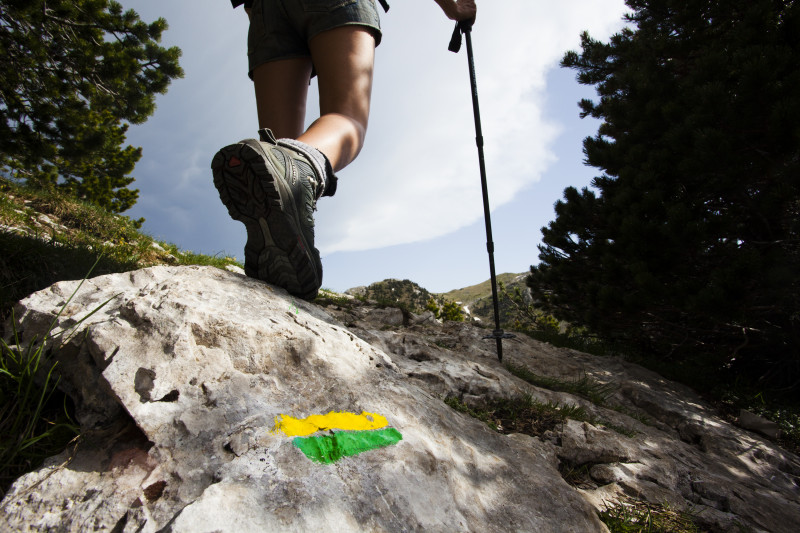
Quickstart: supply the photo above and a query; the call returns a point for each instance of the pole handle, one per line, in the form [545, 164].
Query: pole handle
[462, 26]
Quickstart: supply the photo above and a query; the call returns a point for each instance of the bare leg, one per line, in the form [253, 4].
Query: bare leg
[344, 59]
[281, 91]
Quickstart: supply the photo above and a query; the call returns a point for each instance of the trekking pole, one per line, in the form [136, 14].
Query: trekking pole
[465, 27]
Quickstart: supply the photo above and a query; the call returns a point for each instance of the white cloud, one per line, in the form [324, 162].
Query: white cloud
[418, 176]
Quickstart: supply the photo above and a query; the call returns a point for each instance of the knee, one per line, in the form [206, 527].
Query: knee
[361, 131]
[354, 128]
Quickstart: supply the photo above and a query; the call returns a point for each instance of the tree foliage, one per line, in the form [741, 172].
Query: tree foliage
[70, 73]
[452, 311]
[688, 245]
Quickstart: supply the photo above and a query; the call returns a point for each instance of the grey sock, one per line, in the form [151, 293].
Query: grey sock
[321, 164]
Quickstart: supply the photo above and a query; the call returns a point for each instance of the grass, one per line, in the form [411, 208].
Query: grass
[577, 475]
[584, 386]
[522, 414]
[525, 415]
[636, 516]
[482, 414]
[63, 246]
[328, 298]
[35, 420]
[572, 338]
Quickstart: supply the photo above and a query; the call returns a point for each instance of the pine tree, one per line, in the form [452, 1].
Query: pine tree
[70, 73]
[687, 244]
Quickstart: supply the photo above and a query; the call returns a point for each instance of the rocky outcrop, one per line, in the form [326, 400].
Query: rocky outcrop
[183, 377]
[405, 293]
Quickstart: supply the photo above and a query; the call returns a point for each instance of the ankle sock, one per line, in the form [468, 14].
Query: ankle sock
[321, 164]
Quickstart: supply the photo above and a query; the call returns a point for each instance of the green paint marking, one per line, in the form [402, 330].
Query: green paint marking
[330, 448]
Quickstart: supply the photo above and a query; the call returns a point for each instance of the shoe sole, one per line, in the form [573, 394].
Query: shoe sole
[276, 251]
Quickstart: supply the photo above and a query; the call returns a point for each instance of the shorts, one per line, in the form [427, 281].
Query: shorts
[281, 29]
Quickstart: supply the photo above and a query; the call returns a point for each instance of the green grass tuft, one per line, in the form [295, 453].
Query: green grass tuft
[522, 414]
[50, 238]
[591, 389]
[328, 298]
[636, 516]
[35, 421]
[34, 418]
[596, 392]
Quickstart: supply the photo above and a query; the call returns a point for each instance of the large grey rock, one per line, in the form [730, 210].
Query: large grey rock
[682, 453]
[179, 379]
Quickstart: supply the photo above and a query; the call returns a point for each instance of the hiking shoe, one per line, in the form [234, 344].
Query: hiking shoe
[272, 187]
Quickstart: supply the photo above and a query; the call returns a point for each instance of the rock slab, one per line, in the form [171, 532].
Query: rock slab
[179, 376]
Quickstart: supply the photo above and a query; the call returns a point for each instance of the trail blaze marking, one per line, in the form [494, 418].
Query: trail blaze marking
[294, 427]
[350, 434]
[330, 448]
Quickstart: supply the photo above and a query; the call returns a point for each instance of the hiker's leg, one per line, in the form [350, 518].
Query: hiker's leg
[344, 59]
[281, 90]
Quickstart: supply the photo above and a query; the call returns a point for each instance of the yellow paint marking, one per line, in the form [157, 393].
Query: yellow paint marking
[294, 427]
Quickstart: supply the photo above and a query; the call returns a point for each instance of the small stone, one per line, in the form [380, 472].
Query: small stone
[235, 269]
[753, 422]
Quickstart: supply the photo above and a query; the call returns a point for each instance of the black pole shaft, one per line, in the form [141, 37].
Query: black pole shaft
[486, 213]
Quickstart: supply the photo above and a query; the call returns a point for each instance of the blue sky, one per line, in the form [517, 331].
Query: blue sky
[410, 206]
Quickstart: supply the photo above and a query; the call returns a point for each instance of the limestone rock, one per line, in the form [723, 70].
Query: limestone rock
[201, 362]
[235, 269]
[682, 453]
[180, 377]
[752, 421]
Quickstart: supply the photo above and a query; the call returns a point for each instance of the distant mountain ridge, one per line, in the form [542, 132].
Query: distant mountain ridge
[477, 299]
